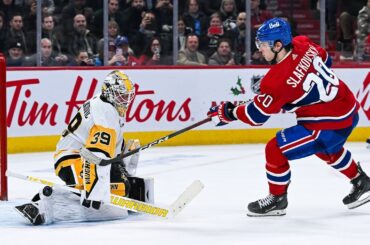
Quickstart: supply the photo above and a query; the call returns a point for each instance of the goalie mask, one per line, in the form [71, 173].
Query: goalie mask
[119, 91]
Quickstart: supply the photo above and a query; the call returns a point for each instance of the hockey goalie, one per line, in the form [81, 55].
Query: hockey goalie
[97, 128]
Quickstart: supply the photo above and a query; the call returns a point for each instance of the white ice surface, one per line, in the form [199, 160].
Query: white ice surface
[233, 176]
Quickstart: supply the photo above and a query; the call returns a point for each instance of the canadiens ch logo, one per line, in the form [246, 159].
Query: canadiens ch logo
[363, 96]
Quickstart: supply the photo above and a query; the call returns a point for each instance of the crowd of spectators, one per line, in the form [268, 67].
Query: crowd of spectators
[140, 32]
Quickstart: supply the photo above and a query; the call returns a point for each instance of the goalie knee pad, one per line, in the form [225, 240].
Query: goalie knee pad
[142, 189]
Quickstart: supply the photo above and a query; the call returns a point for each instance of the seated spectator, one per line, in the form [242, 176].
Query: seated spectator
[183, 31]
[15, 53]
[347, 20]
[16, 31]
[113, 30]
[164, 15]
[58, 7]
[49, 32]
[195, 18]
[113, 14]
[9, 8]
[293, 24]
[214, 33]
[223, 55]
[331, 19]
[2, 33]
[47, 7]
[75, 7]
[228, 12]
[80, 38]
[47, 58]
[258, 15]
[238, 39]
[123, 56]
[190, 55]
[29, 16]
[81, 59]
[132, 17]
[148, 28]
[238, 43]
[211, 6]
[153, 54]
[363, 32]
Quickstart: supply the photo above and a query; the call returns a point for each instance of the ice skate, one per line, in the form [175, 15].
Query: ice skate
[269, 206]
[31, 212]
[360, 193]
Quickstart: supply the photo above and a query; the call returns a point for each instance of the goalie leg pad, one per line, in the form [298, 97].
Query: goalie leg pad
[142, 189]
[62, 206]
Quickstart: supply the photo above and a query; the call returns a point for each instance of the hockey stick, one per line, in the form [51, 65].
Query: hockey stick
[131, 204]
[103, 162]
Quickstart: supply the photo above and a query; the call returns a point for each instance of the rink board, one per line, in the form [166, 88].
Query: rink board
[41, 101]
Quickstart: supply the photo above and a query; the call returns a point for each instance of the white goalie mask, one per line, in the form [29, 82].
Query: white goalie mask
[119, 91]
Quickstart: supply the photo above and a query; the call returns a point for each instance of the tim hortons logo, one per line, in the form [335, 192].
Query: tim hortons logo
[26, 110]
[363, 96]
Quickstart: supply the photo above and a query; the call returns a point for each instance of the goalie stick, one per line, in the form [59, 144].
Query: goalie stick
[131, 204]
[88, 155]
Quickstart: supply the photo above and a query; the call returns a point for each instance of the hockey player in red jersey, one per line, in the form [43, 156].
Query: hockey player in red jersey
[299, 81]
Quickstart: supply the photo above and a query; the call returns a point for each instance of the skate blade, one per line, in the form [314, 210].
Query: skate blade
[361, 202]
[271, 213]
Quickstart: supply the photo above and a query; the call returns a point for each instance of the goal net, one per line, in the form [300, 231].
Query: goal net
[3, 134]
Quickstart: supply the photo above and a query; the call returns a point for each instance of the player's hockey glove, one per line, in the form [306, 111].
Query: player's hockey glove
[222, 114]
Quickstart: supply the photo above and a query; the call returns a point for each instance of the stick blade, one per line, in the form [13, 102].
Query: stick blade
[186, 197]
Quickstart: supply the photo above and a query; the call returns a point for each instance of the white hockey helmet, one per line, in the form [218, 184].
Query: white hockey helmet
[118, 90]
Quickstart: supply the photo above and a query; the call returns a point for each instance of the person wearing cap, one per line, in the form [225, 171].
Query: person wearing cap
[113, 30]
[15, 53]
[123, 54]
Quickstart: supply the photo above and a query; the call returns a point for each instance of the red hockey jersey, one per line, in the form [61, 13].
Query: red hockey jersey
[303, 84]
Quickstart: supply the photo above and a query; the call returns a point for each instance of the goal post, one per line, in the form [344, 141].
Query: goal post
[3, 132]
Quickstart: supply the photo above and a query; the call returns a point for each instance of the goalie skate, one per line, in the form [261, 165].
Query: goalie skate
[269, 206]
[31, 212]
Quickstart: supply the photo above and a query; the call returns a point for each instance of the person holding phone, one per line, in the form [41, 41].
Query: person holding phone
[123, 54]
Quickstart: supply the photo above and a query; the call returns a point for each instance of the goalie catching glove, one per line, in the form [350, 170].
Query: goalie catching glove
[222, 114]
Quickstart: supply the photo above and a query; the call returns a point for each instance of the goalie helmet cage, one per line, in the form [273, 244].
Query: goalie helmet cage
[3, 134]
